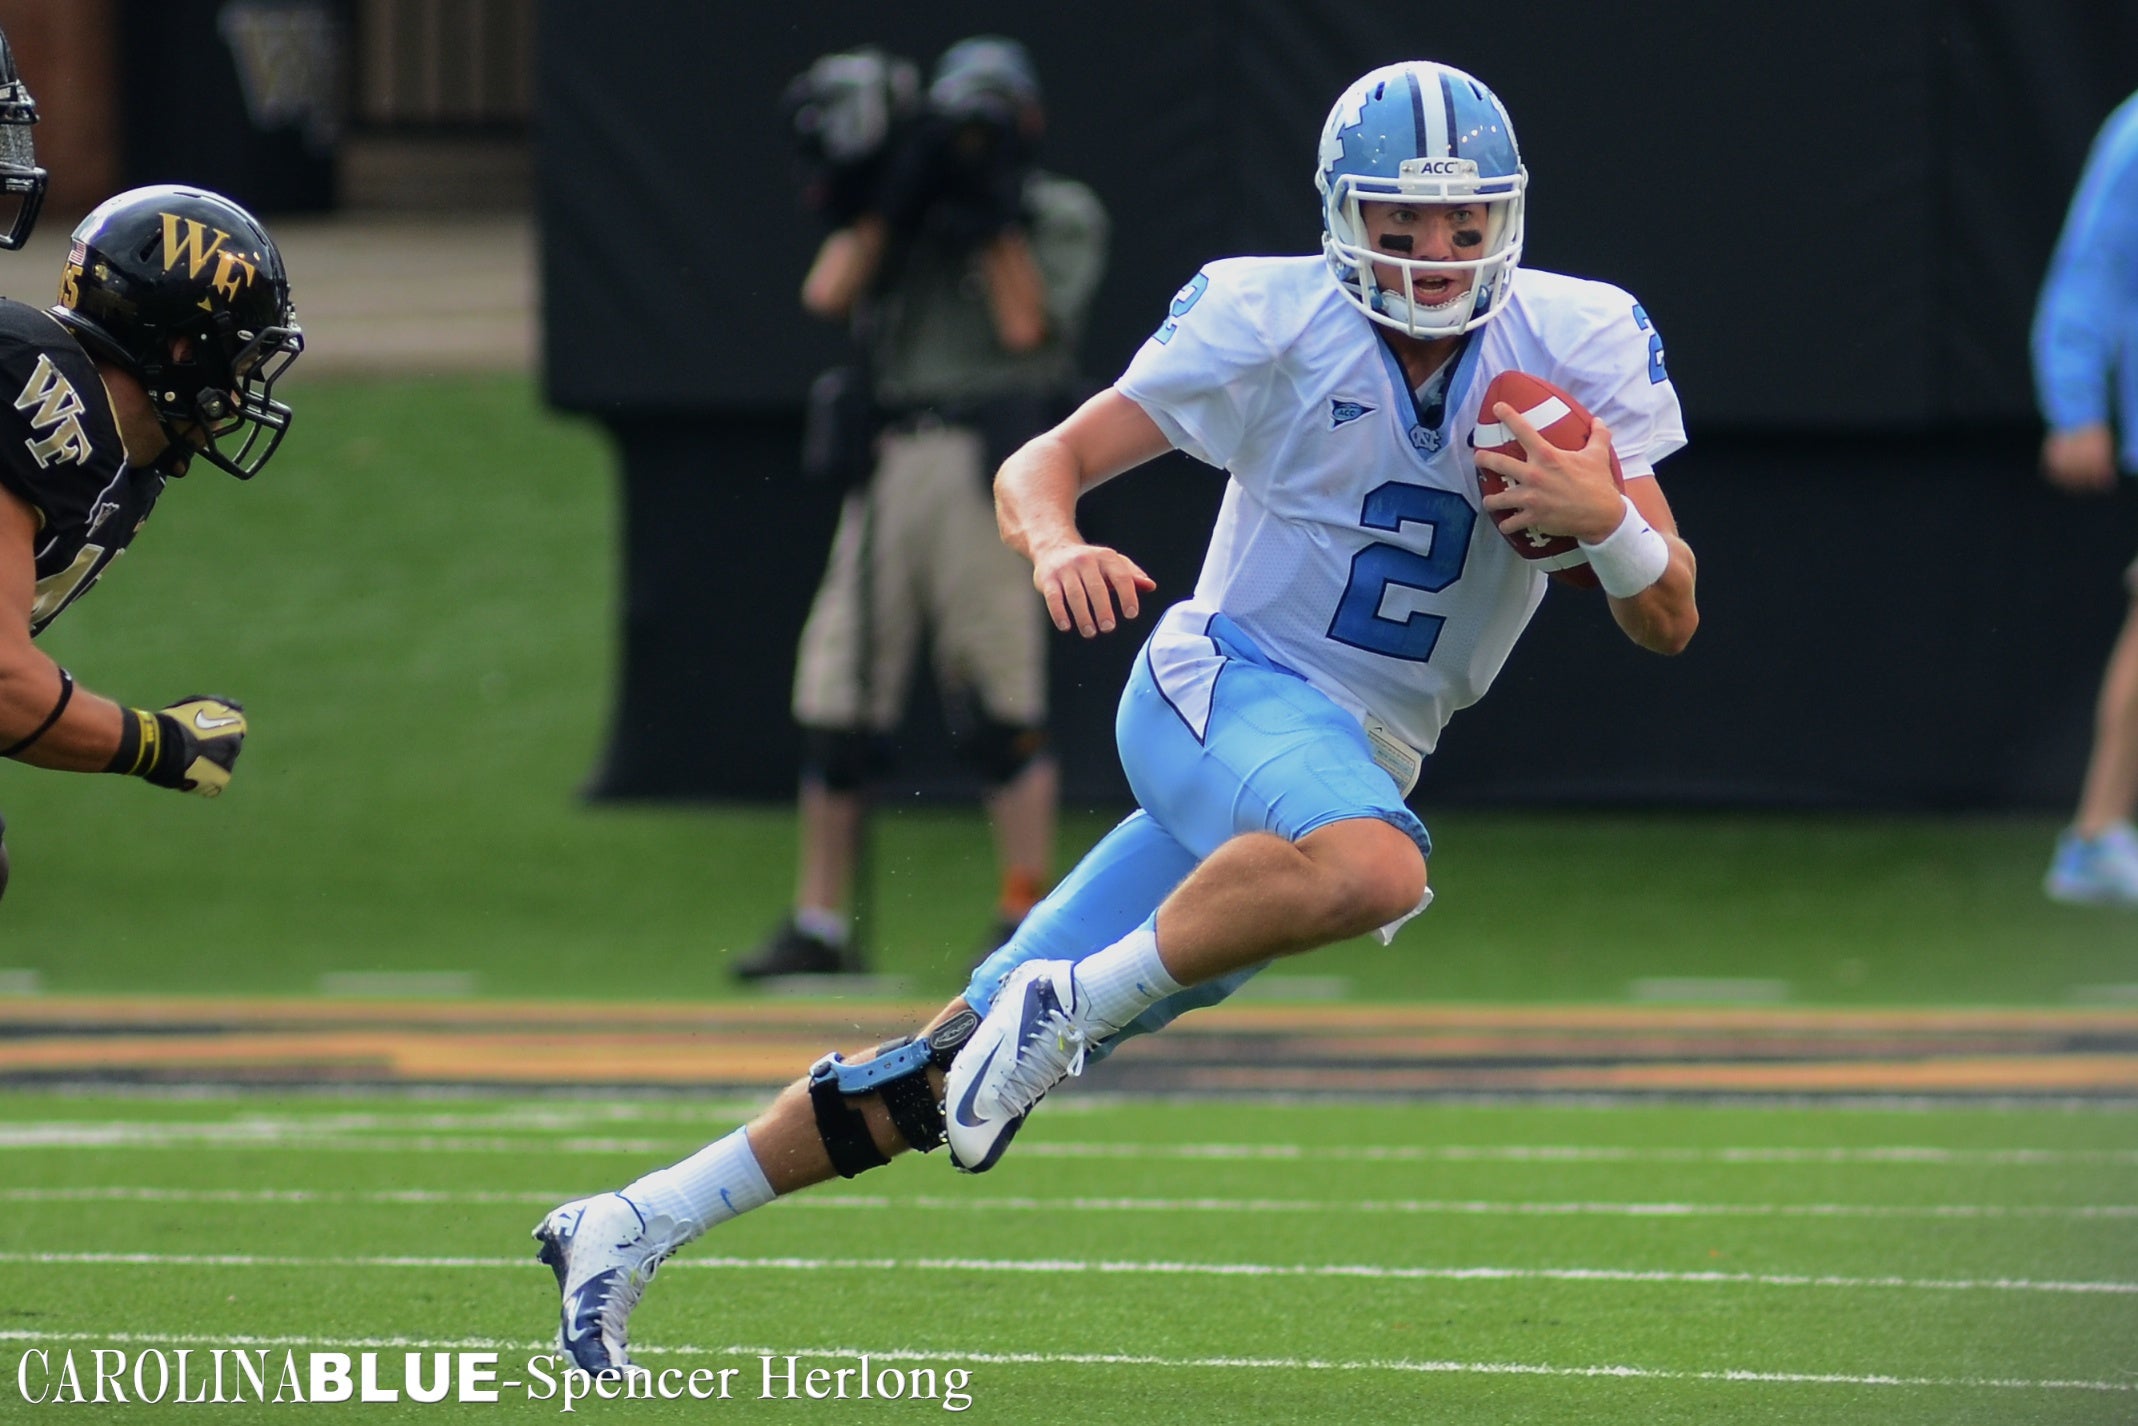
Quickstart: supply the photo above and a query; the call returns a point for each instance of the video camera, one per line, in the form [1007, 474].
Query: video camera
[847, 114]
[953, 168]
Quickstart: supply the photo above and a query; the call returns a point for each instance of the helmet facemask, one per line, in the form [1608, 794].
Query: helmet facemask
[22, 182]
[226, 397]
[1350, 253]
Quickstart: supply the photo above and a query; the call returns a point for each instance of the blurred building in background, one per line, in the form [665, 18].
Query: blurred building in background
[386, 141]
[289, 106]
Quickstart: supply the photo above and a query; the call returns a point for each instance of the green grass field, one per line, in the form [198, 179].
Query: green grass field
[1139, 1262]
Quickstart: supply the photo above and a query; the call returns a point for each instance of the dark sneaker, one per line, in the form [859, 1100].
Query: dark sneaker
[790, 950]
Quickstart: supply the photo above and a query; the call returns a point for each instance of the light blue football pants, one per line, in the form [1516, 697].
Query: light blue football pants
[1217, 739]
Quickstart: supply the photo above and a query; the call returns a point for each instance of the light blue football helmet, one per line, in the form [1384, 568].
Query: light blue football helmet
[1423, 133]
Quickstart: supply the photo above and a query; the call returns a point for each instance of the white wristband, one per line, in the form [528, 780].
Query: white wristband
[1631, 557]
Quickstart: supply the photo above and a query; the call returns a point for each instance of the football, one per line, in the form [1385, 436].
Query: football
[1565, 423]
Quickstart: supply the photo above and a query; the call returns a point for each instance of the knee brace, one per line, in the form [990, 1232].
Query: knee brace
[1000, 751]
[899, 1072]
[844, 759]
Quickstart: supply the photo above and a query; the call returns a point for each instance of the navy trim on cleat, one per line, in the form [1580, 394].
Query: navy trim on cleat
[602, 1267]
[1028, 1043]
[581, 1328]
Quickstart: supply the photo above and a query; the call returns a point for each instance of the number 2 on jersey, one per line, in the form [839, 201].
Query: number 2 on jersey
[1382, 570]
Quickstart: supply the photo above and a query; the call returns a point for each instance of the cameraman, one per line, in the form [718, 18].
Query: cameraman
[965, 274]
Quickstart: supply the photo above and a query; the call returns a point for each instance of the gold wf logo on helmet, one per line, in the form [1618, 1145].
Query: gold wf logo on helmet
[186, 239]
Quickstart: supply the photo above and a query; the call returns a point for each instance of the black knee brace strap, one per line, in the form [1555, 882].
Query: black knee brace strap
[898, 1071]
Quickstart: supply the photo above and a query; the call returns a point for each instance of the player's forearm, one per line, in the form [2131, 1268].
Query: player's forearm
[83, 738]
[1035, 496]
[1662, 617]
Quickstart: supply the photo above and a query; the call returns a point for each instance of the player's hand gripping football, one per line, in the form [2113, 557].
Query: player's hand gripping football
[203, 735]
[1084, 584]
[1554, 491]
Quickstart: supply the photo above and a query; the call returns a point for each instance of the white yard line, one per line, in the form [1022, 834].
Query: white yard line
[280, 1134]
[1015, 1204]
[1068, 1266]
[1104, 1359]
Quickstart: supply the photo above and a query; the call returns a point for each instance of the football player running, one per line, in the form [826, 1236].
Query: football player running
[172, 327]
[1351, 601]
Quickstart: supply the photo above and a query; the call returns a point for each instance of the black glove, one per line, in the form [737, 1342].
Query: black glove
[190, 745]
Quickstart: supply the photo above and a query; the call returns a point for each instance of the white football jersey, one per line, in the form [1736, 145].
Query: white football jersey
[1350, 545]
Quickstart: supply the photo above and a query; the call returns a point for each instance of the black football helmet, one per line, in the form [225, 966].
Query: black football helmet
[185, 289]
[22, 182]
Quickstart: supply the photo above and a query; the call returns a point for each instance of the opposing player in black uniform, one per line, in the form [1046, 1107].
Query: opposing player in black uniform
[172, 326]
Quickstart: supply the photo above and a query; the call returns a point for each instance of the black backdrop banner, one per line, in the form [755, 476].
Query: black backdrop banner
[1837, 213]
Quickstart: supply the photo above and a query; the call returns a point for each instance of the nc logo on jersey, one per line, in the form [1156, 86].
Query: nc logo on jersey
[186, 240]
[1343, 413]
[1424, 440]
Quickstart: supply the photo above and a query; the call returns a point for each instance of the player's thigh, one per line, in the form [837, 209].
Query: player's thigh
[1268, 753]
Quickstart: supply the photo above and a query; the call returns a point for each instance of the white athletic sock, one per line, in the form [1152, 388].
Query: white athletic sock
[719, 1182]
[1124, 980]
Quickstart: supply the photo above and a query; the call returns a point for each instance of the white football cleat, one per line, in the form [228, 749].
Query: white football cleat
[1030, 1041]
[604, 1255]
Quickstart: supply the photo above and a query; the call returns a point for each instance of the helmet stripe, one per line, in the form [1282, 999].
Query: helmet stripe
[1433, 131]
[1447, 99]
[1417, 113]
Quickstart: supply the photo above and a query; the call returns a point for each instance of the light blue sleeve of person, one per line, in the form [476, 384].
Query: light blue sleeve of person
[2085, 339]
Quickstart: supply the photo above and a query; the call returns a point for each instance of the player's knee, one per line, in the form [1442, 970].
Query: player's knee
[844, 759]
[1371, 875]
[1000, 752]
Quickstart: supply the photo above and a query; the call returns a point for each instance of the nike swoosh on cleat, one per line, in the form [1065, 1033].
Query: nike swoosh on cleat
[202, 721]
[582, 1324]
[963, 1110]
